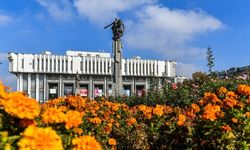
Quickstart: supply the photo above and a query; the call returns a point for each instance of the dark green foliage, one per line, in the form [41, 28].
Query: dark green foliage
[210, 60]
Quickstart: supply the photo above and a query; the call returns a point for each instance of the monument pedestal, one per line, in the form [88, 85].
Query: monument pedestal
[117, 72]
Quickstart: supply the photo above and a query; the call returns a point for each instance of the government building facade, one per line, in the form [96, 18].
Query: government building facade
[45, 76]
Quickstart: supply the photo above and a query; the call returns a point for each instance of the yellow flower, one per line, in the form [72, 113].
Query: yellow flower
[73, 119]
[34, 138]
[112, 141]
[158, 110]
[21, 106]
[85, 143]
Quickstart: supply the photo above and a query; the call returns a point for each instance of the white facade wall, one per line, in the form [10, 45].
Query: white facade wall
[83, 63]
[44, 63]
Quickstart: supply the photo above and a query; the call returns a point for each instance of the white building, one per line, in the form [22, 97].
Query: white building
[45, 76]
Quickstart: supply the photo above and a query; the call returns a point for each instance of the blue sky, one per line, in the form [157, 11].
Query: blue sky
[155, 29]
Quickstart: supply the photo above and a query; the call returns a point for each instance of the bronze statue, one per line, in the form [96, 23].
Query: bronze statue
[117, 28]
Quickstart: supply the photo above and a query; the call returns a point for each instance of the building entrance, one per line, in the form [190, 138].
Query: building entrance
[98, 90]
[53, 90]
[68, 89]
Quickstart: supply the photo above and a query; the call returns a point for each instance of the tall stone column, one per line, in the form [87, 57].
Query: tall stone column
[117, 73]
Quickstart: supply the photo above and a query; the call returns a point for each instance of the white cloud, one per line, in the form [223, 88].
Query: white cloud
[4, 19]
[61, 10]
[184, 69]
[3, 57]
[102, 11]
[169, 32]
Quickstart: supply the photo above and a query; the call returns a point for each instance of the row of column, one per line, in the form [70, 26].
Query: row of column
[139, 67]
[42, 85]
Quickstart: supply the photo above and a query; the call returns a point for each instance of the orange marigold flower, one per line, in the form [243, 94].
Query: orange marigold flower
[112, 141]
[181, 119]
[247, 114]
[35, 138]
[226, 128]
[131, 121]
[76, 101]
[142, 107]
[211, 112]
[244, 89]
[78, 130]
[96, 120]
[230, 102]
[73, 119]
[222, 90]
[158, 110]
[211, 97]
[231, 94]
[20, 106]
[234, 120]
[85, 143]
[195, 107]
[3, 93]
[53, 115]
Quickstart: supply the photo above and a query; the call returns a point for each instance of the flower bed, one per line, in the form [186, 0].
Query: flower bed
[220, 120]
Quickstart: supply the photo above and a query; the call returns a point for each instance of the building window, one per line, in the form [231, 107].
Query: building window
[33, 64]
[59, 65]
[104, 67]
[46, 65]
[86, 65]
[90, 66]
[101, 66]
[66, 65]
[71, 65]
[81, 66]
[42, 64]
[54, 64]
[22, 63]
[51, 65]
[33, 86]
[62, 65]
[41, 88]
[38, 66]
[97, 68]
[25, 83]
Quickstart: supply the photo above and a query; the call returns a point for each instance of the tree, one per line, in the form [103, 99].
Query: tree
[210, 60]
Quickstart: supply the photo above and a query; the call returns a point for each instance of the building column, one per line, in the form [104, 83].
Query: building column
[146, 86]
[29, 85]
[37, 87]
